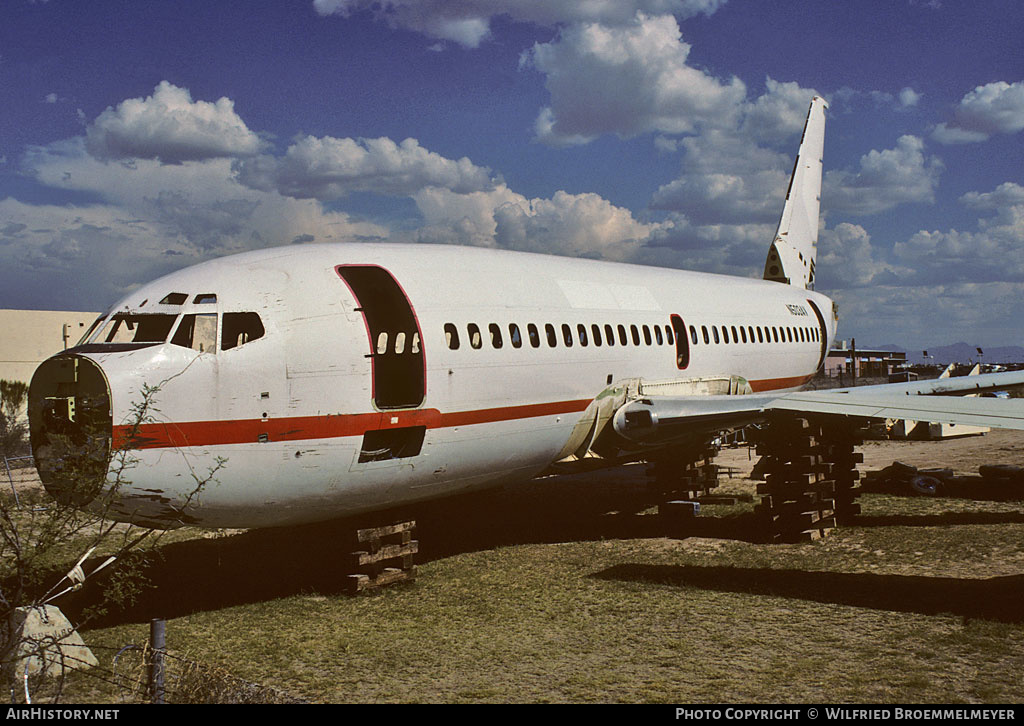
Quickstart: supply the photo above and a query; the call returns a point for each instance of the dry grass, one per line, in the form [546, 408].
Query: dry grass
[542, 596]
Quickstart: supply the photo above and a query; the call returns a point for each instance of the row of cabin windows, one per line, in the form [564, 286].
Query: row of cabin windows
[756, 334]
[650, 335]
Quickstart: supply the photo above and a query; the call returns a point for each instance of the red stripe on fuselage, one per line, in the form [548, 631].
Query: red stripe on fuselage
[302, 428]
[330, 426]
[774, 384]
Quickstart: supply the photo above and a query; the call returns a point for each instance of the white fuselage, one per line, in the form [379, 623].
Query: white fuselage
[289, 410]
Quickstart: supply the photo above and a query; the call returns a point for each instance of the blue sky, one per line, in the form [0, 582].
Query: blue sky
[140, 137]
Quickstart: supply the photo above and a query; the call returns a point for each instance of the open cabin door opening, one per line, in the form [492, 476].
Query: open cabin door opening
[396, 345]
[824, 334]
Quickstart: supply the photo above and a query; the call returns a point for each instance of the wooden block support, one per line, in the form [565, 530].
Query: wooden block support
[387, 559]
[677, 516]
[688, 474]
[798, 502]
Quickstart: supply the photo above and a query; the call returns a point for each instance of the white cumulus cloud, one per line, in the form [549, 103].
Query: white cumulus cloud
[726, 178]
[468, 22]
[994, 252]
[171, 127]
[995, 108]
[846, 258]
[886, 178]
[329, 168]
[580, 225]
[149, 218]
[626, 80]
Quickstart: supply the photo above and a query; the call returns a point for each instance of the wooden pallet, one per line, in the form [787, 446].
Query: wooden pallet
[677, 518]
[686, 475]
[387, 558]
[838, 447]
[811, 478]
[797, 502]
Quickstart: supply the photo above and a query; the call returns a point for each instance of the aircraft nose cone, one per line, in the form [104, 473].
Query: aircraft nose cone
[70, 427]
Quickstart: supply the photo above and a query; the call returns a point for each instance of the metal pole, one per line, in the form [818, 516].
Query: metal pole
[10, 478]
[853, 356]
[157, 642]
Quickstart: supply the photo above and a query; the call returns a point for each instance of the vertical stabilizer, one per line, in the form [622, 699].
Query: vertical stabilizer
[791, 257]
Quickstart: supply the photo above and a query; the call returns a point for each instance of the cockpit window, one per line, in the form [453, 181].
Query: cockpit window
[92, 328]
[240, 328]
[204, 299]
[135, 328]
[174, 298]
[198, 332]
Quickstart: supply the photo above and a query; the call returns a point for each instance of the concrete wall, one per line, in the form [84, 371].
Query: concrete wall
[28, 337]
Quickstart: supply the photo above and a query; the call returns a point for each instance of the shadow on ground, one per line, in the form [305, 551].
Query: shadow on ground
[996, 598]
[258, 565]
[938, 520]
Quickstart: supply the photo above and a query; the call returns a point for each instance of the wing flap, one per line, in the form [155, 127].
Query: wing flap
[654, 420]
[994, 412]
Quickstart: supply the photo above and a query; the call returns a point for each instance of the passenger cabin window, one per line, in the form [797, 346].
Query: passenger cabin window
[495, 331]
[240, 328]
[581, 330]
[451, 336]
[595, 329]
[567, 335]
[549, 331]
[682, 342]
[661, 341]
[515, 336]
[475, 341]
[609, 335]
[622, 334]
[531, 330]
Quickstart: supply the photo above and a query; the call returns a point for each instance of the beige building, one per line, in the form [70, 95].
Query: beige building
[28, 337]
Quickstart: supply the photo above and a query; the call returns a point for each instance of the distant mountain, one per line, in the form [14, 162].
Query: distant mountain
[961, 353]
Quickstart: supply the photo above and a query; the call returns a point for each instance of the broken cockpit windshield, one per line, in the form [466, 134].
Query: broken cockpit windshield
[134, 328]
[198, 331]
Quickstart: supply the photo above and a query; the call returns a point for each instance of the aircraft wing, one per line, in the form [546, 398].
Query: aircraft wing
[652, 420]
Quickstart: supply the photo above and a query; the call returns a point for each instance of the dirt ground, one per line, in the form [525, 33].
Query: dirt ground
[18, 474]
[963, 455]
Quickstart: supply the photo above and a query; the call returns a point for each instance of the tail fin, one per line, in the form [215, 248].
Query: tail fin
[791, 257]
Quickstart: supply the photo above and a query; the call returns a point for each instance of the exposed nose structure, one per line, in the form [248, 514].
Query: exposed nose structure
[70, 422]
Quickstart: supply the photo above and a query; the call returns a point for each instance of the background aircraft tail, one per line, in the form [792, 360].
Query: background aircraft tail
[792, 254]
